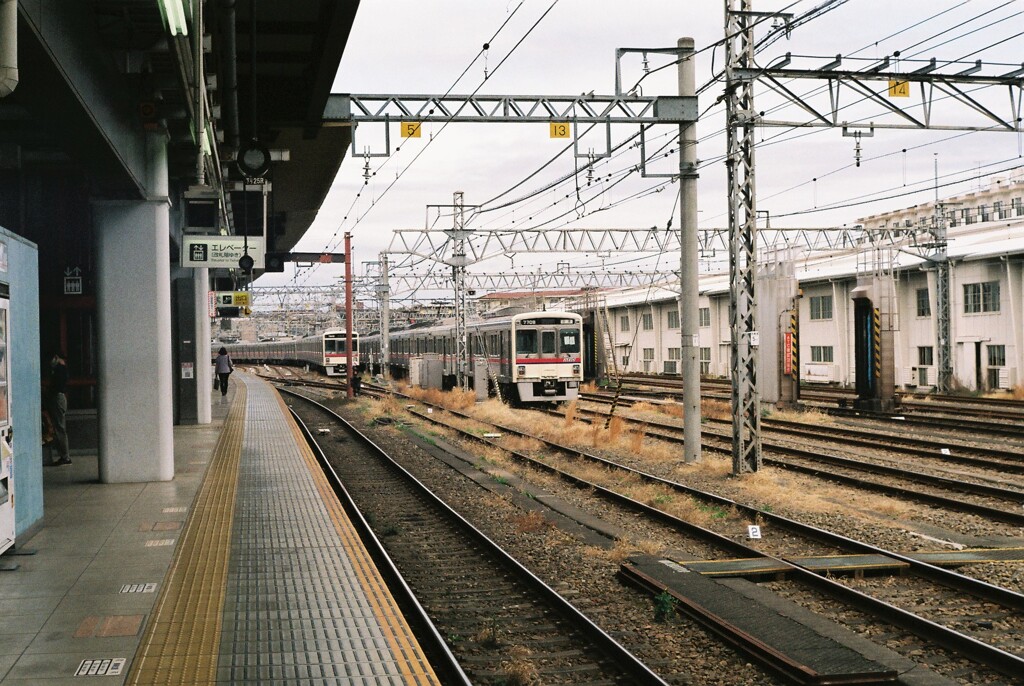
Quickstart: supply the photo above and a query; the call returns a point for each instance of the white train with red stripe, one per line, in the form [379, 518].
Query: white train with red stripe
[532, 357]
[327, 351]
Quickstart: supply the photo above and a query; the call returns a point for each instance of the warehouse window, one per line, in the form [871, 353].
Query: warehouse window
[981, 297]
[821, 353]
[705, 361]
[648, 321]
[624, 323]
[821, 307]
[925, 355]
[924, 306]
[648, 359]
[625, 361]
[673, 319]
[704, 316]
[996, 355]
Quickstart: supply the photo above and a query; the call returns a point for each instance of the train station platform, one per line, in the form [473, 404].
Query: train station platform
[243, 569]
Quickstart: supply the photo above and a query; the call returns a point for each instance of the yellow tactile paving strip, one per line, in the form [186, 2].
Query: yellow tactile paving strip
[182, 639]
[406, 650]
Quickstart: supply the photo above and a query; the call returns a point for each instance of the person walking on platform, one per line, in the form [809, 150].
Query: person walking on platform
[58, 406]
[224, 369]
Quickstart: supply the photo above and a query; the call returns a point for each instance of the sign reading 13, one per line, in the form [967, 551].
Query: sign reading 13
[410, 129]
[559, 129]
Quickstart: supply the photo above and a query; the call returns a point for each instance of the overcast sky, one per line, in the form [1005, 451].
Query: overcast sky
[405, 47]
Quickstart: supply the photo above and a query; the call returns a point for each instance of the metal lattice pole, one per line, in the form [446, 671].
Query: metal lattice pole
[746, 420]
[384, 291]
[458, 263]
[944, 378]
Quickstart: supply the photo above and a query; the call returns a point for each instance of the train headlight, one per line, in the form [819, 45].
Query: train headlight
[575, 369]
[521, 369]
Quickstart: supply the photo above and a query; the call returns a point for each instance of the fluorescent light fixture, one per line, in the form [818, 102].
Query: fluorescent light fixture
[173, 12]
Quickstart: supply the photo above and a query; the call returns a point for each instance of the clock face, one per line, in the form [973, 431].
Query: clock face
[254, 160]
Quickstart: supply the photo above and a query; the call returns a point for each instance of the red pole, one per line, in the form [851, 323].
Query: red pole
[349, 372]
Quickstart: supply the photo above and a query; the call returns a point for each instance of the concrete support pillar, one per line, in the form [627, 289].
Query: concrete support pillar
[204, 370]
[133, 302]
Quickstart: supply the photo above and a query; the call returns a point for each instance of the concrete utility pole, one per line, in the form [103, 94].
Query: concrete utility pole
[349, 371]
[689, 324]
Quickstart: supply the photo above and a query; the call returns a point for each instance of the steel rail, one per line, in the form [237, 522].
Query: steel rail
[616, 651]
[986, 654]
[927, 479]
[412, 609]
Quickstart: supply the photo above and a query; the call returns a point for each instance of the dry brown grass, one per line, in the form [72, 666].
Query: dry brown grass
[624, 548]
[615, 427]
[385, 406]
[811, 416]
[518, 669]
[1015, 393]
[588, 387]
[636, 439]
[455, 399]
[571, 411]
[488, 636]
[530, 522]
[715, 409]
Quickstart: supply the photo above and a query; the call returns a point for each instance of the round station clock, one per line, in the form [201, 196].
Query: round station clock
[253, 160]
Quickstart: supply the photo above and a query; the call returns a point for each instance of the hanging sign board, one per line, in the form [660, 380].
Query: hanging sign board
[220, 251]
[787, 354]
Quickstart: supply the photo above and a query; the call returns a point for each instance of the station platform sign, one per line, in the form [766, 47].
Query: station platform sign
[221, 251]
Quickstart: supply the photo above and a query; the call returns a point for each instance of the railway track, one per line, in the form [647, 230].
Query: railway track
[988, 599]
[998, 410]
[996, 502]
[488, 605]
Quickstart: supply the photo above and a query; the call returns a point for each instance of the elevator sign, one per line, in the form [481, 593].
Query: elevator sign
[220, 251]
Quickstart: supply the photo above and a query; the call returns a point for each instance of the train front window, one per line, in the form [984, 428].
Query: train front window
[526, 342]
[335, 345]
[547, 342]
[569, 340]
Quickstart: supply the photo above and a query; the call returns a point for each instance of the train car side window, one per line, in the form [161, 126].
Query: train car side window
[526, 342]
[547, 342]
[569, 340]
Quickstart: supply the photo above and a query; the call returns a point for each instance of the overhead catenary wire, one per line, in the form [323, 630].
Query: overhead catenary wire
[548, 211]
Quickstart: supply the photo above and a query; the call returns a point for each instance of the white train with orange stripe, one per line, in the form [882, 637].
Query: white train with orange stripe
[327, 351]
[532, 357]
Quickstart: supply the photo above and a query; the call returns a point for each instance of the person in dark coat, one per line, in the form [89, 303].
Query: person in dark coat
[57, 406]
[224, 369]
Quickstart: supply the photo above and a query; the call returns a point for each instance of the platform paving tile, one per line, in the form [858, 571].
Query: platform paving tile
[294, 610]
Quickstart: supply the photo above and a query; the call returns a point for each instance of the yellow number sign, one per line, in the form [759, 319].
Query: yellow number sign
[899, 89]
[559, 129]
[241, 299]
[410, 129]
